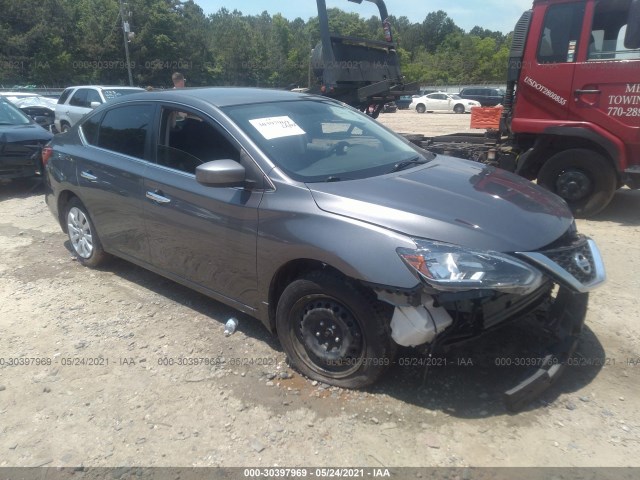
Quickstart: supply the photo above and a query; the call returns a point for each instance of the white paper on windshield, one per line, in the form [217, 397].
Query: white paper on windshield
[276, 127]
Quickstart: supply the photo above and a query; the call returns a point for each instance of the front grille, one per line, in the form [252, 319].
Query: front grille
[575, 259]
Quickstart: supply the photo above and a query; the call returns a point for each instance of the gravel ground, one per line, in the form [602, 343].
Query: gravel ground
[99, 390]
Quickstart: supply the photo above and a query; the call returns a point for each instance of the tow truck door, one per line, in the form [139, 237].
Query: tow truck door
[607, 77]
[545, 84]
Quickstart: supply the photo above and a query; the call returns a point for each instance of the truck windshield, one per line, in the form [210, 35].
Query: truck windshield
[319, 140]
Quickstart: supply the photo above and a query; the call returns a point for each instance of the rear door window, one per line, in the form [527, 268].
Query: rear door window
[79, 99]
[65, 95]
[126, 129]
[90, 129]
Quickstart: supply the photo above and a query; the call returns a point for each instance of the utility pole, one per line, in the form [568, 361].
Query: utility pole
[128, 34]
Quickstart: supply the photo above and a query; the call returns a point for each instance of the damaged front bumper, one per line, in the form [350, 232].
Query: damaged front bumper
[571, 268]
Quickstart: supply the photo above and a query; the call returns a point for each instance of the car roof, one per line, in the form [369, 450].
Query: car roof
[110, 87]
[217, 96]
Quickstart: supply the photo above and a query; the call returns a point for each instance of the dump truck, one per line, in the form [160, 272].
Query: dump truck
[359, 72]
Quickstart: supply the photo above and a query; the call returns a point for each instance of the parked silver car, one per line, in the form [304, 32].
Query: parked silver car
[75, 102]
[335, 232]
[442, 102]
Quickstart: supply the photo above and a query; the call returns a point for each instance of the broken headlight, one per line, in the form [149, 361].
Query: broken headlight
[451, 268]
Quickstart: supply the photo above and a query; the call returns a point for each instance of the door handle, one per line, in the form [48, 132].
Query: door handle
[88, 176]
[155, 197]
[587, 92]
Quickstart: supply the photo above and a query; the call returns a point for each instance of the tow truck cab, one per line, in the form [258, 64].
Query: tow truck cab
[572, 108]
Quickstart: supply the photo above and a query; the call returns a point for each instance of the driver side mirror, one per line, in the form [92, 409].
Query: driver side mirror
[95, 104]
[221, 173]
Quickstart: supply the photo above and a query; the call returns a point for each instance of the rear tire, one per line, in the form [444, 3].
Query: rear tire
[333, 331]
[583, 178]
[420, 108]
[458, 108]
[64, 127]
[83, 237]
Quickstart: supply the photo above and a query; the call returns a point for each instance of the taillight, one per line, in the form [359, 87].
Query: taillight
[46, 155]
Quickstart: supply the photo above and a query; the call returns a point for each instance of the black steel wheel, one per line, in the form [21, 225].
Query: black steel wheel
[333, 331]
[583, 178]
[82, 235]
[421, 108]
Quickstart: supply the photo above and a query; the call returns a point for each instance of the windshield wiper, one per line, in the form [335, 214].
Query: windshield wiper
[408, 163]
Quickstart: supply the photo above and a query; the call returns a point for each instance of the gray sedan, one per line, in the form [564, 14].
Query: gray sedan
[336, 233]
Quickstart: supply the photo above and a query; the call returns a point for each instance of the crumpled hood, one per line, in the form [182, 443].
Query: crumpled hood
[454, 201]
[22, 133]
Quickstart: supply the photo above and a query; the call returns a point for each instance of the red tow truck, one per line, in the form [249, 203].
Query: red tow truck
[571, 117]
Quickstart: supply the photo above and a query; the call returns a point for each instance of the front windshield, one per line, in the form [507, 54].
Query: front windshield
[12, 115]
[318, 140]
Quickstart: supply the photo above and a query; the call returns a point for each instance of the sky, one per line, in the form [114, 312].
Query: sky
[490, 14]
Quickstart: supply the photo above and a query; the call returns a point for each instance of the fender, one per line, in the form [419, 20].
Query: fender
[571, 137]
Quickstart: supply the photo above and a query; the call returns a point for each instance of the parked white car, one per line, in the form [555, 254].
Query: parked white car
[442, 102]
[75, 102]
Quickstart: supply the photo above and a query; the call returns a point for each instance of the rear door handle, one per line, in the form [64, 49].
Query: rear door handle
[156, 197]
[88, 176]
[587, 92]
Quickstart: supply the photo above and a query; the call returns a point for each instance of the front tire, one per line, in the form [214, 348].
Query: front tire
[420, 108]
[333, 331]
[83, 237]
[583, 178]
[458, 109]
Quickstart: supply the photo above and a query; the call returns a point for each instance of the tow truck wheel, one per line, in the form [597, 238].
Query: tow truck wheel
[583, 178]
[420, 108]
[333, 331]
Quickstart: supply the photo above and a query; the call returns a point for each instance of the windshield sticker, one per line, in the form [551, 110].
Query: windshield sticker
[276, 127]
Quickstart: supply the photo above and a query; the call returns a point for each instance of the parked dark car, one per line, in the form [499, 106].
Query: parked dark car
[336, 233]
[403, 102]
[21, 142]
[488, 97]
[390, 107]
